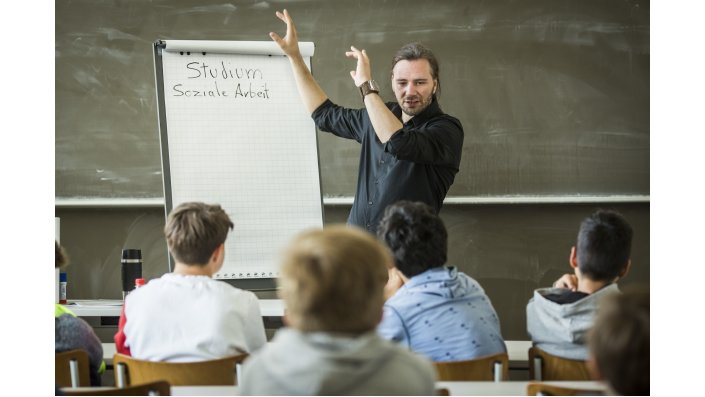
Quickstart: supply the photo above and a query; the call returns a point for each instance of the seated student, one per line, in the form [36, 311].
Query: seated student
[71, 332]
[332, 283]
[433, 308]
[559, 317]
[619, 342]
[186, 315]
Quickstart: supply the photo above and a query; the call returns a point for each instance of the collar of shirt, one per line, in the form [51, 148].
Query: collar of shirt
[433, 110]
[433, 275]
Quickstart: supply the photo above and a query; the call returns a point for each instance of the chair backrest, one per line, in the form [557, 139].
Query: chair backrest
[130, 371]
[442, 391]
[543, 389]
[158, 388]
[544, 366]
[71, 369]
[494, 367]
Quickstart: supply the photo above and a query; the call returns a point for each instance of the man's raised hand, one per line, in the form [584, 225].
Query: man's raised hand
[362, 72]
[290, 43]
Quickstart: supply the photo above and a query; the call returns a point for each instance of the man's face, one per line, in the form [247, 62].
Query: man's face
[413, 85]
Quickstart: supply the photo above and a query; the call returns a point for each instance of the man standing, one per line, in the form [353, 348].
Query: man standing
[410, 149]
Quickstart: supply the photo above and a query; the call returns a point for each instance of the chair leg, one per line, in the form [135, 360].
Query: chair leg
[120, 372]
[537, 369]
[238, 373]
[498, 370]
[73, 367]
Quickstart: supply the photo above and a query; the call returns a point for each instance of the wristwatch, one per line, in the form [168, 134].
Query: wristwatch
[368, 87]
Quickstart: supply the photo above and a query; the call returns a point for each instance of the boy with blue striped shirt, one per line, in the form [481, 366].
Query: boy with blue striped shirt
[432, 308]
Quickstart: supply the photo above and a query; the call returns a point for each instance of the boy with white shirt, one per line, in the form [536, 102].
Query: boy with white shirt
[186, 315]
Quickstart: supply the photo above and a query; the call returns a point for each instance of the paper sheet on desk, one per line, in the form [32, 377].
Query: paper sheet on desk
[97, 302]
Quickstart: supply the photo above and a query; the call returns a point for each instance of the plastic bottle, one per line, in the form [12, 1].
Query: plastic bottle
[63, 280]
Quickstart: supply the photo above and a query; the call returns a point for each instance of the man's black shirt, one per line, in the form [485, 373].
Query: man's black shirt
[418, 163]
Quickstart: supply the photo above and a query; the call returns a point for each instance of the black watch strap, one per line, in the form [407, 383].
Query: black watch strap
[368, 87]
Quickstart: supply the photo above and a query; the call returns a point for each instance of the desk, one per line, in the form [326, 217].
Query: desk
[507, 388]
[518, 351]
[109, 351]
[112, 308]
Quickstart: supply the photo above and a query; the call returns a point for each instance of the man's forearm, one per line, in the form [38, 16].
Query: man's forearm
[311, 93]
[384, 122]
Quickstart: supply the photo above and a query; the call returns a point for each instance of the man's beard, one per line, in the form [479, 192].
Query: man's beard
[418, 109]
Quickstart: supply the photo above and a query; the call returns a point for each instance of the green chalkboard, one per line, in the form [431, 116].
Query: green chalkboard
[553, 94]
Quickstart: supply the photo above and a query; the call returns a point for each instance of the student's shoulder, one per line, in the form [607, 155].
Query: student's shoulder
[72, 325]
[154, 286]
[471, 282]
[542, 293]
[60, 310]
[539, 299]
[404, 301]
[236, 292]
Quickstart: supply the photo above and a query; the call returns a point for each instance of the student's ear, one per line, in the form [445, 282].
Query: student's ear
[625, 270]
[219, 254]
[573, 258]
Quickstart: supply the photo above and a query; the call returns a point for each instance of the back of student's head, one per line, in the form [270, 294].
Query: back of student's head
[619, 341]
[416, 236]
[61, 257]
[604, 245]
[332, 280]
[194, 230]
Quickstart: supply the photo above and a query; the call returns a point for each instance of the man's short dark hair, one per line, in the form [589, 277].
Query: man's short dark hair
[414, 51]
[604, 245]
[416, 236]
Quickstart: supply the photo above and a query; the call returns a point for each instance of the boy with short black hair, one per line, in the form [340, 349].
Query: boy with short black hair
[433, 308]
[332, 282]
[559, 317]
[186, 315]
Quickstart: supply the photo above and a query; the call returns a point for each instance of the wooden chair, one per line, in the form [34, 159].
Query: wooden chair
[494, 367]
[544, 366]
[158, 388]
[222, 371]
[71, 369]
[543, 389]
